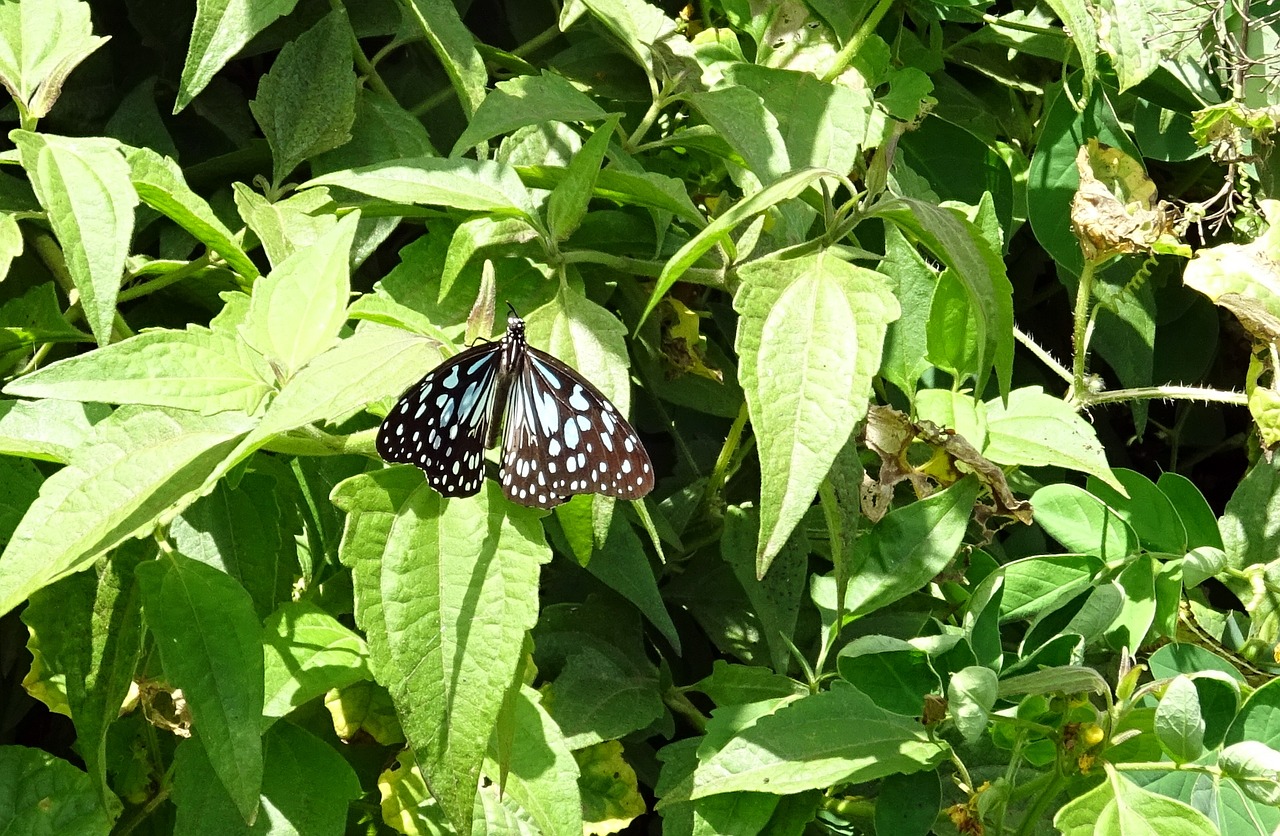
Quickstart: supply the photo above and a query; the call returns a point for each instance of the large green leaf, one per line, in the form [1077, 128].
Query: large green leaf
[908, 547]
[221, 30]
[809, 343]
[42, 44]
[445, 590]
[197, 369]
[297, 310]
[161, 185]
[88, 627]
[526, 100]
[797, 747]
[977, 265]
[211, 647]
[307, 102]
[84, 186]
[133, 467]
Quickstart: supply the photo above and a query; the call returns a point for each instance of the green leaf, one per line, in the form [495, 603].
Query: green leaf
[1053, 178]
[35, 318]
[133, 467]
[197, 369]
[43, 43]
[288, 225]
[42, 794]
[1119, 806]
[308, 652]
[971, 694]
[648, 189]
[11, 244]
[894, 673]
[89, 629]
[809, 341]
[221, 30]
[47, 429]
[1035, 429]
[604, 687]
[1083, 523]
[959, 245]
[913, 287]
[776, 597]
[472, 236]
[952, 329]
[908, 547]
[1130, 38]
[797, 747]
[454, 45]
[161, 185]
[213, 531]
[1066, 679]
[1146, 509]
[637, 26]
[210, 644]
[567, 204]
[823, 124]
[739, 116]
[374, 363]
[1179, 725]
[383, 130]
[84, 186]
[1081, 24]
[22, 480]
[730, 684]
[298, 309]
[306, 103]
[469, 185]
[1256, 768]
[526, 100]
[444, 600]
[1037, 585]
[1133, 625]
[1198, 519]
[908, 805]
[717, 232]
[542, 775]
[307, 788]
[623, 566]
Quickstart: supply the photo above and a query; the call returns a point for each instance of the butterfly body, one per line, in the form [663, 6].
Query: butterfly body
[561, 435]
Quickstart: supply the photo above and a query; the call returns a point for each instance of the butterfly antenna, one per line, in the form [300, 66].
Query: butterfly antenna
[512, 308]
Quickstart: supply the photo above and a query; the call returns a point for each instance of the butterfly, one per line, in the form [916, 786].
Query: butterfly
[562, 436]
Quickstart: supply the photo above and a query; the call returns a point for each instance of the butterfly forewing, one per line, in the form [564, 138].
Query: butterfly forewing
[564, 437]
[442, 424]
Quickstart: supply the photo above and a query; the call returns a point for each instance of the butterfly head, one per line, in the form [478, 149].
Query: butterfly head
[515, 325]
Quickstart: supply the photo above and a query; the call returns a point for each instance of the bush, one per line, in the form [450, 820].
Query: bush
[903, 570]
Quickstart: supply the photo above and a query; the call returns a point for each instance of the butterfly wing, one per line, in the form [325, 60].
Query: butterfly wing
[564, 437]
[442, 423]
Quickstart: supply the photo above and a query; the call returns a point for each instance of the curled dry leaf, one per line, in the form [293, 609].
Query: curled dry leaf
[890, 433]
[1115, 210]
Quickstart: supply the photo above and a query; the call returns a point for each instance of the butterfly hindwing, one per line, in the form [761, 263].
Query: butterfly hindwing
[442, 424]
[564, 437]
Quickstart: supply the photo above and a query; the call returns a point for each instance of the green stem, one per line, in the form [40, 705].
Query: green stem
[193, 268]
[721, 473]
[1044, 356]
[1028, 823]
[1178, 393]
[641, 267]
[1080, 336]
[855, 44]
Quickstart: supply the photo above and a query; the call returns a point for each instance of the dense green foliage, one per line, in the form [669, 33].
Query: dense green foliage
[904, 571]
